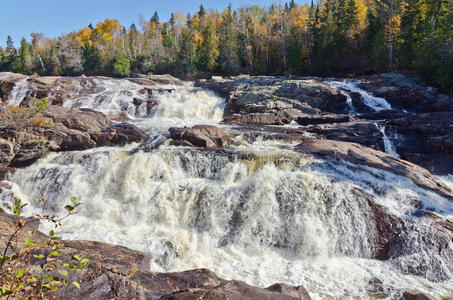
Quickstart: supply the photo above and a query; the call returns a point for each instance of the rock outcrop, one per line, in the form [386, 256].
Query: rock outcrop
[274, 100]
[65, 130]
[59, 89]
[407, 92]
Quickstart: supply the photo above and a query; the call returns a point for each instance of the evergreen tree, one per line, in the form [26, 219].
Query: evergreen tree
[122, 64]
[201, 11]
[23, 62]
[155, 18]
[92, 60]
[228, 55]
[209, 47]
[187, 52]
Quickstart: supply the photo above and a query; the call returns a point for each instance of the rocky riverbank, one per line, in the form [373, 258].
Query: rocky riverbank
[375, 141]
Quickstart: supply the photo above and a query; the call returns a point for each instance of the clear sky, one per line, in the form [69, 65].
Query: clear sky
[18, 18]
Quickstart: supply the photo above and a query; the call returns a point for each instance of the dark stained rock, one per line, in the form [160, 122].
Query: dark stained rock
[323, 119]
[201, 136]
[7, 151]
[415, 295]
[407, 92]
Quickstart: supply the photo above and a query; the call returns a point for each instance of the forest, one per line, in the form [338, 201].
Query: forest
[326, 38]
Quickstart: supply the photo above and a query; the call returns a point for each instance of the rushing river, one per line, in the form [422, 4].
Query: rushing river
[258, 212]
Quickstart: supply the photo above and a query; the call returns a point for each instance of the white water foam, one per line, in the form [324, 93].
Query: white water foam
[259, 213]
[375, 103]
[19, 92]
[262, 214]
[388, 144]
[176, 105]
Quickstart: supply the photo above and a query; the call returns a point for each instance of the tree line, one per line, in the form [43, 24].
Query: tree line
[326, 38]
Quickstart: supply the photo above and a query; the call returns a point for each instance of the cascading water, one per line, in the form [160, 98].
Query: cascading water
[388, 144]
[258, 212]
[375, 103]
[176, 105]
[19, 92]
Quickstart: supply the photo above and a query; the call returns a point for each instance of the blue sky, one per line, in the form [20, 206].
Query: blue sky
[19, 18]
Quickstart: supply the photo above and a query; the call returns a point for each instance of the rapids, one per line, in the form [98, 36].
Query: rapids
[347, 86]
[258, 212]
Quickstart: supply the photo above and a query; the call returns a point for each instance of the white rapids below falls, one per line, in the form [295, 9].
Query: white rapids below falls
[259, 212]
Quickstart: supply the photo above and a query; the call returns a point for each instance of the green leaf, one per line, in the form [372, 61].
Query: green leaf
[51, 233]
[64, 273]
[54, 253]
[69, 208]
[27, 241]
[84, 261]
[73, 200]
[76, 257]
[20, 273]
[76, 284]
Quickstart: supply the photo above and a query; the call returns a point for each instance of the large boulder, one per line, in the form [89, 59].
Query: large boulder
[201, 136]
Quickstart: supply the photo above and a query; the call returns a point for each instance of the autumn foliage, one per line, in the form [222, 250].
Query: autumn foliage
[327, 38]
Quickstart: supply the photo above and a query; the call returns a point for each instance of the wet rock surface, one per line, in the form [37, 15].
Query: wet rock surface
[59, 89]
[419, 126]
[116, 272]
[362, 155]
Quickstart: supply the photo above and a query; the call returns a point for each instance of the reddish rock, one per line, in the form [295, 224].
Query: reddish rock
[201, 136]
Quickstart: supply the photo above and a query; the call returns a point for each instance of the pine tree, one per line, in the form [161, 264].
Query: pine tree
[187, 51]
[201, 11]
[10, 45]
[155, 18]
[24, 61]
[228, 56]
[92, 60]
[122, 64]
[209, 47]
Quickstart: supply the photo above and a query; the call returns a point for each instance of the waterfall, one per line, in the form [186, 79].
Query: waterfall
[388, 144]
[375, 103]
[339, 86]
[258, 212]
[19, 92]
[176, 105]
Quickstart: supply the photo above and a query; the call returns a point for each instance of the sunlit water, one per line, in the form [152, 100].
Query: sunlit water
[259, 212]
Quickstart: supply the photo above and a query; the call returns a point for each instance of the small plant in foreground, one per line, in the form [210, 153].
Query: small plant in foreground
[33, 268]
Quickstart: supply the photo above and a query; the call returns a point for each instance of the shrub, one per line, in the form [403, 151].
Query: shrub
[32, 271]
[22, 117]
